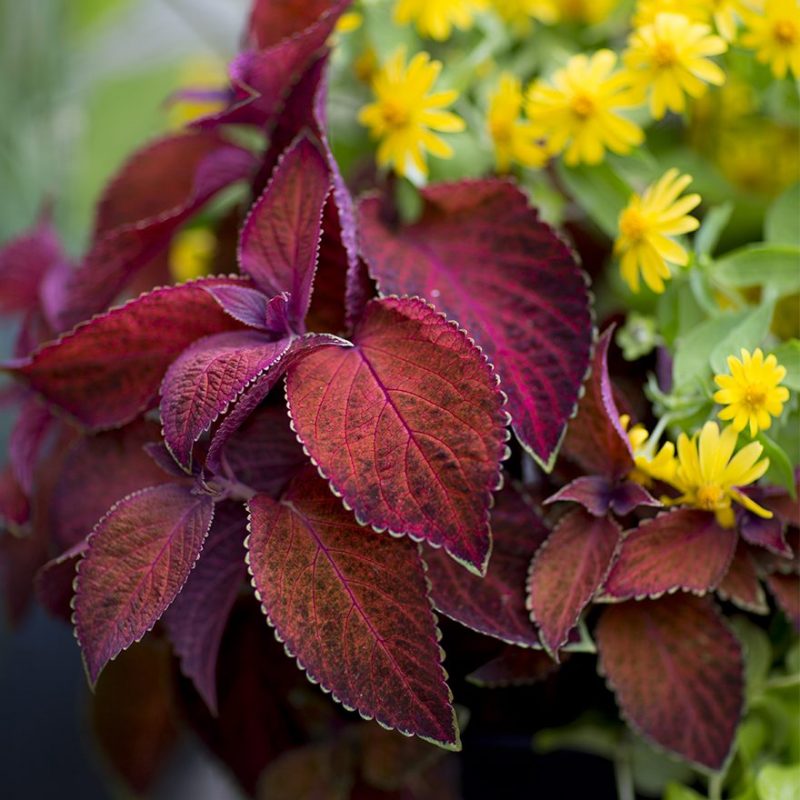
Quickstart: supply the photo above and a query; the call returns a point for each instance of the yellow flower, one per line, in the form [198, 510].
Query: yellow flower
[751, 393]
[366, 65]
[726, 15]
[774, 34]
[587, 11]
[435, 18]
[709, 475]
[349, 22]
[668, 57]
[578, 111]
[519, 14]
[645, 228]
[191, 254]
[648, 10]
[404, 113]
[514, 139]
[649, 467]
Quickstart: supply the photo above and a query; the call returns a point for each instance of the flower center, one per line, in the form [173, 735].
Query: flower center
[754, 397]
[709, 496]
[583, 105]
[501, 131]
[632, 225]
[395, 114]
[664, 54]
[785, 32]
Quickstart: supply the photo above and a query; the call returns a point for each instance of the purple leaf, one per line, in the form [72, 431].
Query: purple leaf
[514, 666]
[55, 579]
[249, 306]
[741, 585]
[599, 496]
[138, 558]
[483, 257]
[786, 591]
[26, 440]
[766, 533]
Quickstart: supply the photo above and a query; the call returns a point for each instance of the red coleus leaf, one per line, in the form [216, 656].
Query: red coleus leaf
[14, 505]
[55, 579]
[270, 21]
[107, 371]
[206, 378]
[766, 533]
[196, 620]
[483, 257]
[407, 425]
[741, 584]
[595, 438]
[249, 306]
[786, 591]
[493, 605]
[598, 495]
[280, 238]
[677, 672]
[514, 666]
[567, 571]
[26, 440]
[138, 558]
[684, 549]
[352, 606]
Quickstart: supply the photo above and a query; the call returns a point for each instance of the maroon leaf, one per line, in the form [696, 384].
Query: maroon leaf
[352, 606]
[514, 666]
[206, 378]
[107, 371]
[26, 440]
[595, 438]
[271, 21]
[741, 584]
[766, 533]
[55, 579]
[196, 620]
[493, 605]
[249, 306]
[280, 238]
[14, 505]
[484, 258]
[786, 591]
[684, 549]
[599, 496]
[677, 672]
[567, 571]
[407, 425]
[137, 560]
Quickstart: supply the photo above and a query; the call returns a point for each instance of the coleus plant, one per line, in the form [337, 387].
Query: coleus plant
[329, 423]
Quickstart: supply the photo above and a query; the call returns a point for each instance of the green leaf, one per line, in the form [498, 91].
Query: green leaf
[748, 333]
[776, 266]
[677, 791]
[678, 310]
[757, 653]
[777, 782]
[693, 350]
[600, 191]
[714, 222]
[782, 223]
[780, 470]
[788, 355]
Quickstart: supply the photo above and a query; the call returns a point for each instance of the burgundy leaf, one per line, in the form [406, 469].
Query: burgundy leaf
[595, 438]
[628, 495]
[484, 258]
[55, 579]
[20, 559]
[766, 533]
[352, 606]
[567, 571]
[683, 549]
[593, 492]
[407, 425]
[741, 584]
[677, 672]
[272, 21]
[196, 620]
[107, 371]
[249, 306]
[514, 666]
[206, 378]
[280, 238]
[14, 505]
[493, 605]
[786, 591]
[137, 560]
[26, 440]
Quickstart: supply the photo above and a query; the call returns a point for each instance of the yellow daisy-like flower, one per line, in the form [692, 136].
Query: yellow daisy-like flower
[649, 467]
[709, 476]
[669, 59]
[645, 228]
[349, 22]
[751, 393]
[405, 112]
[191, 254]
[648, 10]
[578, 112]
[726, 15]
[587, 11]
[435, 19]
[514, 139]
[519, 14]
[774, 34]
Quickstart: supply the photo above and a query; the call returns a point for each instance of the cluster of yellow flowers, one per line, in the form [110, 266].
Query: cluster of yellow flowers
[705, 470]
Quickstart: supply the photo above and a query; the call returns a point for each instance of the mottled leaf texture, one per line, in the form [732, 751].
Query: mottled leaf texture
[281, 236]
[352, 606]
[249, 306]
[595, 438]
[684, 549]
[567, 571]
[196, 620]
[206, 378]
[108, 370]
[482, 256]
[599, 495]
[677, 673]
[55, 579]
[514, 667]
[493, 605]
[741, 584]
[138, 558]
[786, 591]
[407, 425]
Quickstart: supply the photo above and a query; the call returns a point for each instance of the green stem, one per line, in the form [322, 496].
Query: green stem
[623, 772]
[715, 786]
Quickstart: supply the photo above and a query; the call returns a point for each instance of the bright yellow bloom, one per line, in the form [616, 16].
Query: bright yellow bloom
[649, 467]
[405, 112]
[349, 22]
[726, 15]
[751, 393]
[774, 34]
[191, 254]
[435, 18]
[202, 81]
[648, 10]
[645, 228]
[709, 475]
[519, 14]
[587, 11]
[668, 58]
[579, 110]
[515, 140]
